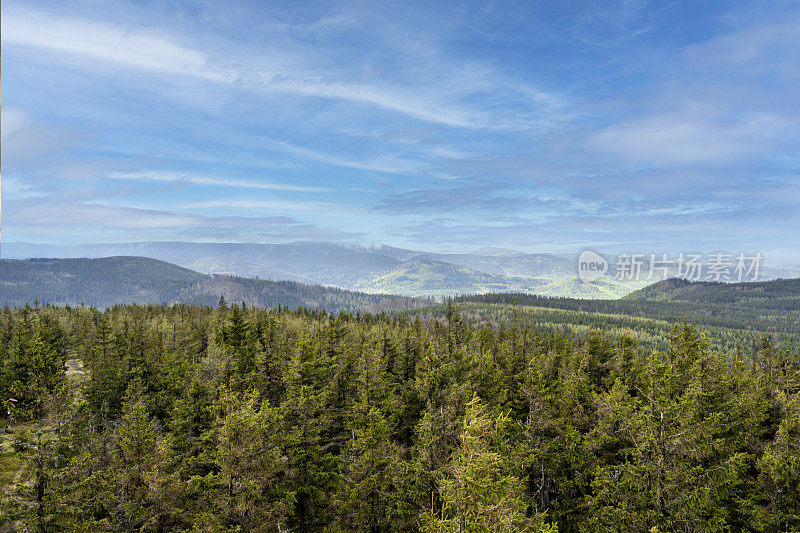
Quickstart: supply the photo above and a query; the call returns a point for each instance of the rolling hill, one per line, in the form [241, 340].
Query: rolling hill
[510, 263]
[731, 315]
[429, 277]
[372, 269]
[352, 267]
[774, 294]
[234, 266]
[332, 264]
[432, 278]
[103, 282]
[99, 282]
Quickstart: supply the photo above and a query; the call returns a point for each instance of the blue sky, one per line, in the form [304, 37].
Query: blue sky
[541, 126]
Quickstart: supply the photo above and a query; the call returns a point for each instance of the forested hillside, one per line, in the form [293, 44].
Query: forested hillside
[186, 418]
[104, 282]
[292, 295]
[100, 282]
[650, 333]
[774, 294]
[740, 321]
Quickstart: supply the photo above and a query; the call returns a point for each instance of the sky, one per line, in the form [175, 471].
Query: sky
[548, 126]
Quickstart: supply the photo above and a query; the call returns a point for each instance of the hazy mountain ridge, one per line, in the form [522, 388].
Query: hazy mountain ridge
[234, 266]
[519, 265]
[103, 282]
[354, 267]
[375, 269]
[430, 277]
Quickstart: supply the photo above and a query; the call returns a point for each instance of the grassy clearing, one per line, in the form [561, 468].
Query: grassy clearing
[10, 463]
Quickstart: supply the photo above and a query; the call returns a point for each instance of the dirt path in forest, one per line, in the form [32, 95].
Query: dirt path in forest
[76, 373]
[17, 475]
[10, 455]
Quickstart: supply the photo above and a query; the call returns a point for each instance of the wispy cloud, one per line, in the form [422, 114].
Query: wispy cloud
[391, 164]
[24, 138]
[119, 221]
[443, 124]
[13, 120]
[484, 197]
[271, 205]
[407, 104]
[194, 179]
[116, 44]
[152, 50]
[15, 189]
[692, 134]
[768, 48]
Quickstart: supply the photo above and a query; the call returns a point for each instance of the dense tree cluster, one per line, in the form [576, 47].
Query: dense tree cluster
[649, 333]
[751, 312]
[188, 418]
[772, 294]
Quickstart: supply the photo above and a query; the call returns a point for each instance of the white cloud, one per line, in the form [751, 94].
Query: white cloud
[287, 72]
[25, 137]
[11, 120]
[272, 205]
[687, 136]
[16, 189]
[115, 44]
[752, 51]
[390, 164]
[406, 103]
[183, 177]
[46, 219]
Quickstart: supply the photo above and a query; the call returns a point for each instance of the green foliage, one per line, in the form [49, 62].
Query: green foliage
[188, 418]
[479, 491]
[775, 294]
[763, 306]
[727, 328]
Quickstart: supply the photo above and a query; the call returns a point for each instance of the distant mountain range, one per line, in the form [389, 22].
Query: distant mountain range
[103, 282]
[377, 269]
[430, 277]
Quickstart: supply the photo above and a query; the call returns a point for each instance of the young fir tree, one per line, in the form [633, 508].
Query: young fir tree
[480, 492]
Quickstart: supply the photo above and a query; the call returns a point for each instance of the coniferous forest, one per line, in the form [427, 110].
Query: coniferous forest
[188, 418]
[400, 267]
